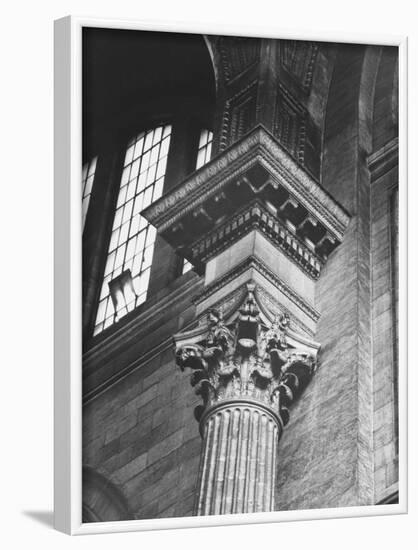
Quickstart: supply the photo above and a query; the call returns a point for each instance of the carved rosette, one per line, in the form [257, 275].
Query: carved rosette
[248, 369]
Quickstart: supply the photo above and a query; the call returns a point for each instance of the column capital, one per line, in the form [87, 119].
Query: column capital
[252, 356]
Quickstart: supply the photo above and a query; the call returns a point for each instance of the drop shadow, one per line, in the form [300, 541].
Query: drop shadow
[44, 517]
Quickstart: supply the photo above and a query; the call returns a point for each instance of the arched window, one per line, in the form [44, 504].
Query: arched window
[131, 246]
[173, 84]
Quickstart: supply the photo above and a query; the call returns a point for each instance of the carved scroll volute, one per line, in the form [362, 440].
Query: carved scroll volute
[245, 359]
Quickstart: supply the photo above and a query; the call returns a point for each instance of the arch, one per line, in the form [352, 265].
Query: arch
[134, 80]
[360, 115]
[385, 111]
[348, 121]
[132, 77]
[102, 499]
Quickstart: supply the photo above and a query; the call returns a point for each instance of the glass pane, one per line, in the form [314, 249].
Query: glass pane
[164, 147]
[154, 155]
[200, 158]
[147, 197]
[161, 168]
[138, 148]
[124, 233]
[87, 180]
[205, 148]
[187, 266]
[129, 155]
[158, 132]
[138, 204]
[101, 311]
[122, 196]
[118, 216]
[135, 169]
[125, 175]
[148, 141]
[134, 226]
[130, 249]
[114, 239]
[110, 263]
[145, 161]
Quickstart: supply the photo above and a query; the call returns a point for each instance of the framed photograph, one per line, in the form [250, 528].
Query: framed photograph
[230, 289]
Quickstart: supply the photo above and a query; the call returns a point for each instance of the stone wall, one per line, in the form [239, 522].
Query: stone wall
[140, 432]
[384, 304]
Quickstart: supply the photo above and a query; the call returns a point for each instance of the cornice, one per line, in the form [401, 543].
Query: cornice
[258, 147]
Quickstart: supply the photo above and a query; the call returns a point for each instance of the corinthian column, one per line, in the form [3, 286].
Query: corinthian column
[247, 374]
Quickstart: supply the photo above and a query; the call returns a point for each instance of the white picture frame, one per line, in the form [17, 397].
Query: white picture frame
[68, 229]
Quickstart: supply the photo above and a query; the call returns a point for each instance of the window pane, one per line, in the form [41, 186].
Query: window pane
[187, 266]
[88, 173]
[141, 183]
[205, 148]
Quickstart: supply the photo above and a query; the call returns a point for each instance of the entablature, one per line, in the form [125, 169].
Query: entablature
[254, 182]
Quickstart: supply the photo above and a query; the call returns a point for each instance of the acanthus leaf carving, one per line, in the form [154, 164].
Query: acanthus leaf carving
[246, 358]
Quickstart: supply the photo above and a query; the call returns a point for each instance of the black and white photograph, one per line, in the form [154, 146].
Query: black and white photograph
[240, 275]
[208, 272]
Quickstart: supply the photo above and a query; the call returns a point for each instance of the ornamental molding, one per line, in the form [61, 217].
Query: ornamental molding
[256, 216]
[267, 302]
[258, 149]
[238, 54]
[260, 266]
[298, 59]
[231, 113]
[250, 356]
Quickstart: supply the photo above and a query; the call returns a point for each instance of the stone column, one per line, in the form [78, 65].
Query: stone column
[248, 373]
[238, 463]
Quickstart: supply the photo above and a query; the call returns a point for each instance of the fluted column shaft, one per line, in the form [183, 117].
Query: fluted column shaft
[238, 461]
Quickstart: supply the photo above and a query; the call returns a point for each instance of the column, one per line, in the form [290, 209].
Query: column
[248, 373]
[238, 462]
